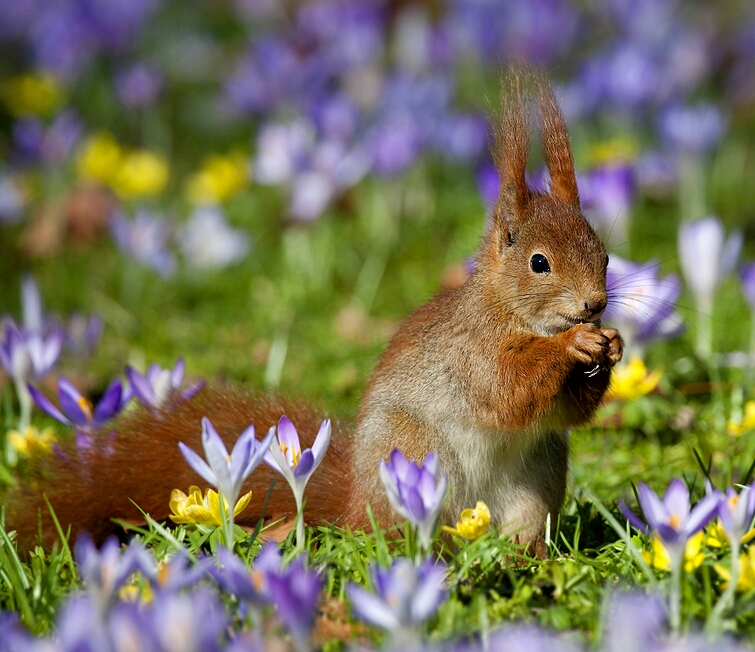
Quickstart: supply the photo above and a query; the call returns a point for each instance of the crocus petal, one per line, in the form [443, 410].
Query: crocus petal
[632, 517]
[288, 437]
[430, 464]
[46, 405]
[399, 463]
[216, 455]
[140, 386]
[700, 515]
[241, 454]
[414, 503]
[198, 464]
[430, 591]
[70, 402]
[676, 499]
[177, 374]
[654, 509]
[371, 608]
[321, 443]
[306, 464]
[109, 404]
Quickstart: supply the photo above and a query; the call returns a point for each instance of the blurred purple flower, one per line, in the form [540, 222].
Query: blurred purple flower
[656, 174]
[607, 195]
[295, 591]
[462, 137]
[693, 129]
[77, 411]
[159, 386]
[189, 622]
[415, 491]
[12, 200]
[671, 517]
[145, 238]
[48, 146]
[209, 242]
[735, 510]
[248, 585]
[747, 278]
[405, 596]
[28, 354]
[641, 303]
[83, 334]
[223, 471]
[139, 86]
[528, 638]
[706, 257]
[105, 570]
[488, 184]
[394, 143]
[633, 621]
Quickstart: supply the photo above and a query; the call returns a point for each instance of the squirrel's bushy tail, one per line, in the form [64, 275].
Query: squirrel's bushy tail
[136, 462]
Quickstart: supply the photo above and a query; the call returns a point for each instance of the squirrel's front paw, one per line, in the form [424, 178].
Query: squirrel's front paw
[586, 343]
[615, 346]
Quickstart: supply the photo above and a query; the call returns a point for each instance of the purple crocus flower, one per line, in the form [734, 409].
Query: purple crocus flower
[736, 510]
[209, 242]
[28, 354]
[105, 570]
[145, 238]
[227, 472]
[633, 621]
[47, 146]
[234, 576]
[694, 129]
[189, 622]
[77, 411]
[295, 591]
[12, 200]
[83, 334]
[158, 386]
[296, 465]
[415, 491]
[641, 303]
[405, 596]
[139, 85]
[671, 517]
[706, 257]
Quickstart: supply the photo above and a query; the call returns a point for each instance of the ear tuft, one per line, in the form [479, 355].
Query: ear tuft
[556, 145]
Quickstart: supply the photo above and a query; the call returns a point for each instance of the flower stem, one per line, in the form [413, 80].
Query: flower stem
[299, 522]
[675, 592]
[714, 623]
[26, 403]
[227, 516]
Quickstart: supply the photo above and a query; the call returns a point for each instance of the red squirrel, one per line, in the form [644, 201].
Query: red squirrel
[491, 376]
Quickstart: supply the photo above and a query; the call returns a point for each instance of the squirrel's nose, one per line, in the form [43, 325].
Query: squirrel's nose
[595, 306]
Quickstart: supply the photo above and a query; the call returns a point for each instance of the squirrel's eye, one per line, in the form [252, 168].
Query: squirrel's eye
[539, 264]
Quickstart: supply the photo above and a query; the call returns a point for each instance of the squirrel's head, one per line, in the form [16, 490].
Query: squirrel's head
[545, 263]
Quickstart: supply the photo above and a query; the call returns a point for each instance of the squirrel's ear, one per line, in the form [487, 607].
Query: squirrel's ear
[556, 146]
[510, 152]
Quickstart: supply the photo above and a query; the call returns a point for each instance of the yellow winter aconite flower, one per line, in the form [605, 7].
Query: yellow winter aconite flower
[100, 158]
[219, 178]
[32, 441]
[198, 510]
[141, 173]
[620, 148]
[658, 556]
[746, 579]
[473, 524]
[632, 380]
[715, 537]
[31, 94]
[736, 428]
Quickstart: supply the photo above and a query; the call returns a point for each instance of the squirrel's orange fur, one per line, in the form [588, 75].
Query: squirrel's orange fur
[491, 376]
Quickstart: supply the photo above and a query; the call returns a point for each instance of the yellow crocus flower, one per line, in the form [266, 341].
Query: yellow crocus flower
[747, 423]
[632, 380]
[473, 524]
[141, 173]
[219, 178]
[658, 556]
[746, 579]
[32, 441]
[195, 509]
[31, 94]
